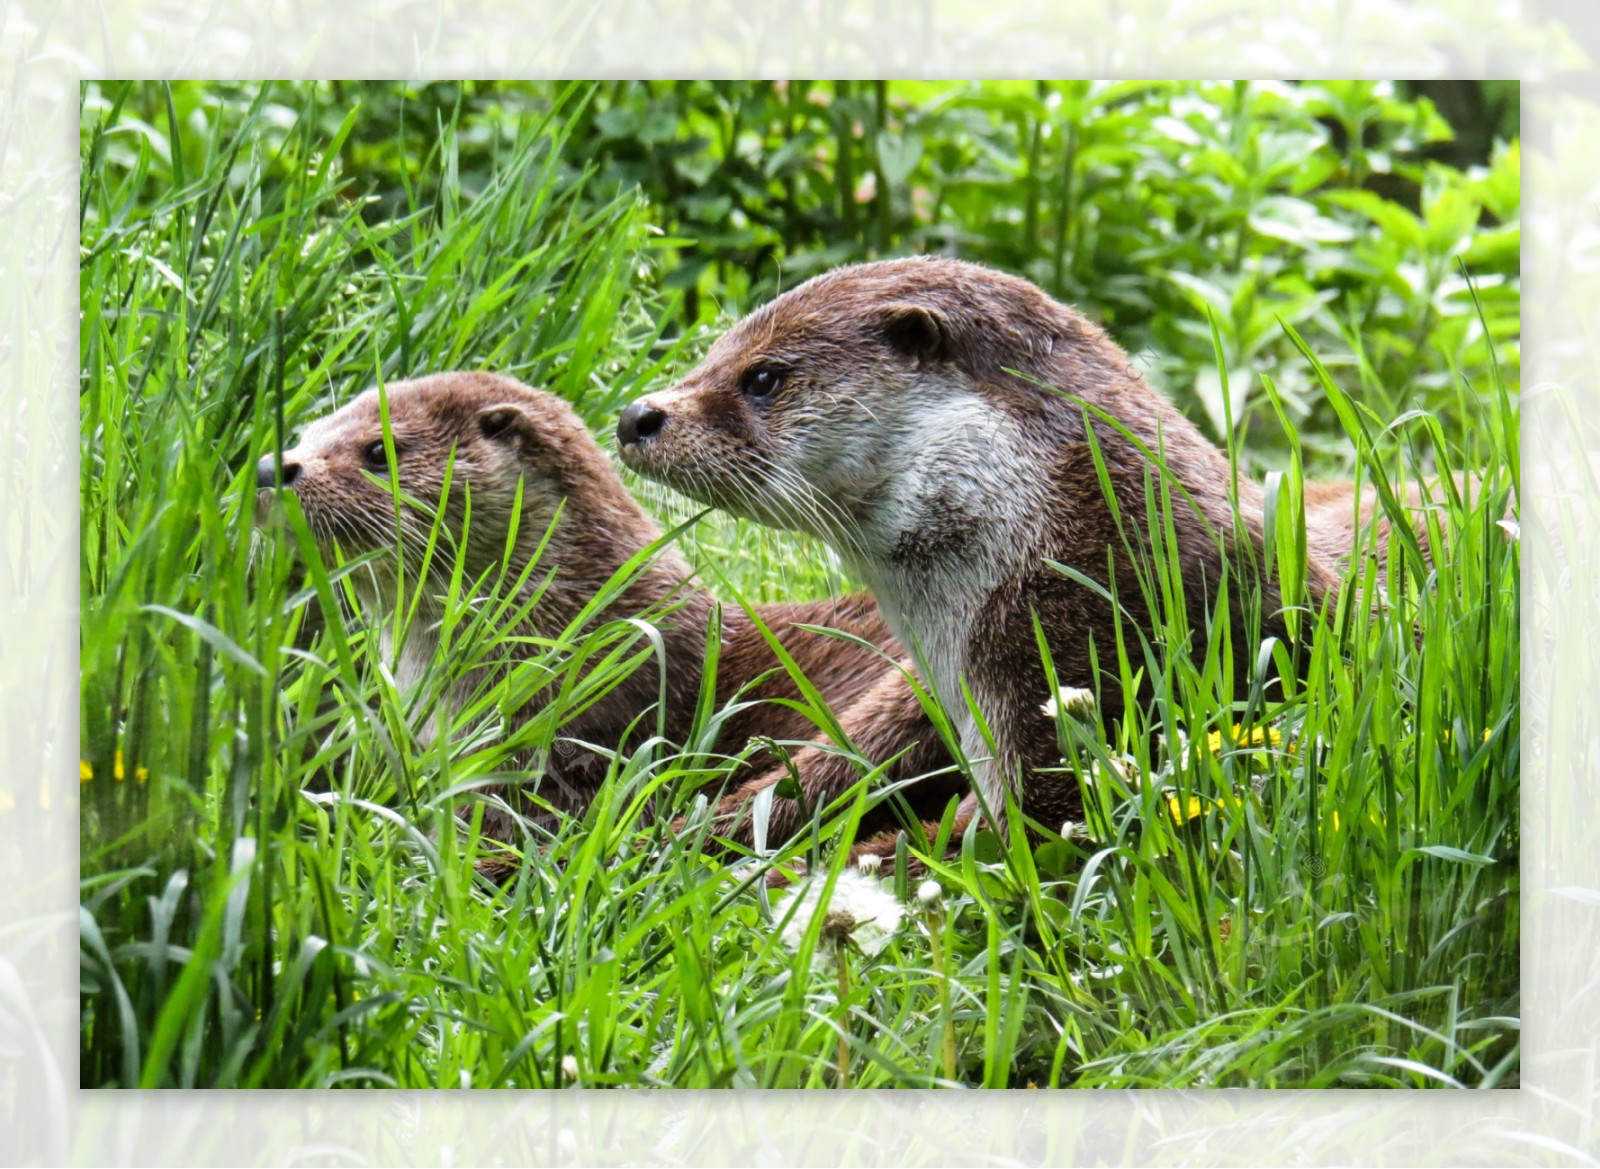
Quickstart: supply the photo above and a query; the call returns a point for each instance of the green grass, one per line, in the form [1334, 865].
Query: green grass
[276, 890]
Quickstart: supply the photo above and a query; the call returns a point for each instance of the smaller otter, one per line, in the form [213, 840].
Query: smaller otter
[492, 435]
[946, 428]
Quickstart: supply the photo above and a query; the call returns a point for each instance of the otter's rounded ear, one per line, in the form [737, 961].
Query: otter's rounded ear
[915, 331]
[505, 421]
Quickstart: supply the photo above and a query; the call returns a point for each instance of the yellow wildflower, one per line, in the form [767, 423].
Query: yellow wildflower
[1258, 737]
[1372, 818]
[1184, 810]
[119, 771]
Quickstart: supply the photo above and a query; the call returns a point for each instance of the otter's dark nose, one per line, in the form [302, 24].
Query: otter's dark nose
[264, 473]
[638, 423]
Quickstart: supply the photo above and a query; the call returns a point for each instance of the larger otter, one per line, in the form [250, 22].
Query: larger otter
[932, 420]
[492, 434]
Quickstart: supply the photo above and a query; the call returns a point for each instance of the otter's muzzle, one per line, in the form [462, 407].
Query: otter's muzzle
[639, 423]
[266, 473]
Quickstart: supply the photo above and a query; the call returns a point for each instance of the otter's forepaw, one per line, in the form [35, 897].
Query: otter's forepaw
[498, 868]
[786, 874]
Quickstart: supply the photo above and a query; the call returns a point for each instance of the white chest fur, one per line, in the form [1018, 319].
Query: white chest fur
[964, 467]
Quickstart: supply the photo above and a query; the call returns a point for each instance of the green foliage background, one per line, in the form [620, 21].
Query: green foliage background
[261, 901]
[1147, 204]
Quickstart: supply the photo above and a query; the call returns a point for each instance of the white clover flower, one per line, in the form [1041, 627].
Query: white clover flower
[1076, 702]
[869, 863]
[569, 1066]
[929, 891]
[861, 913]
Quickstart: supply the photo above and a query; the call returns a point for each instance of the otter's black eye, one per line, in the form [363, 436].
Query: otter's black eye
[760, 382]
[375, 457]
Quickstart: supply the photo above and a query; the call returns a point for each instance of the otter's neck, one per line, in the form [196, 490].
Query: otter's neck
[590, 547]
[958, 516]
[585, 553]
[592, 544]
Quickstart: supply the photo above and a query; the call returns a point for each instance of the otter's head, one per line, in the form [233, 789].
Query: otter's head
[858, 398]
[487, 433]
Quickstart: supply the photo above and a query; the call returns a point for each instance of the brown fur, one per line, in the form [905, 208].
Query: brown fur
[501, 433]
[883, 720]
[882, 371]
[1337, 523]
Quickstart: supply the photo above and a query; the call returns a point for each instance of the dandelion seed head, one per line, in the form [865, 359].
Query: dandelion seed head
[1078, 831]
[1074, 701]
[861, 912]
[1123, 767]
